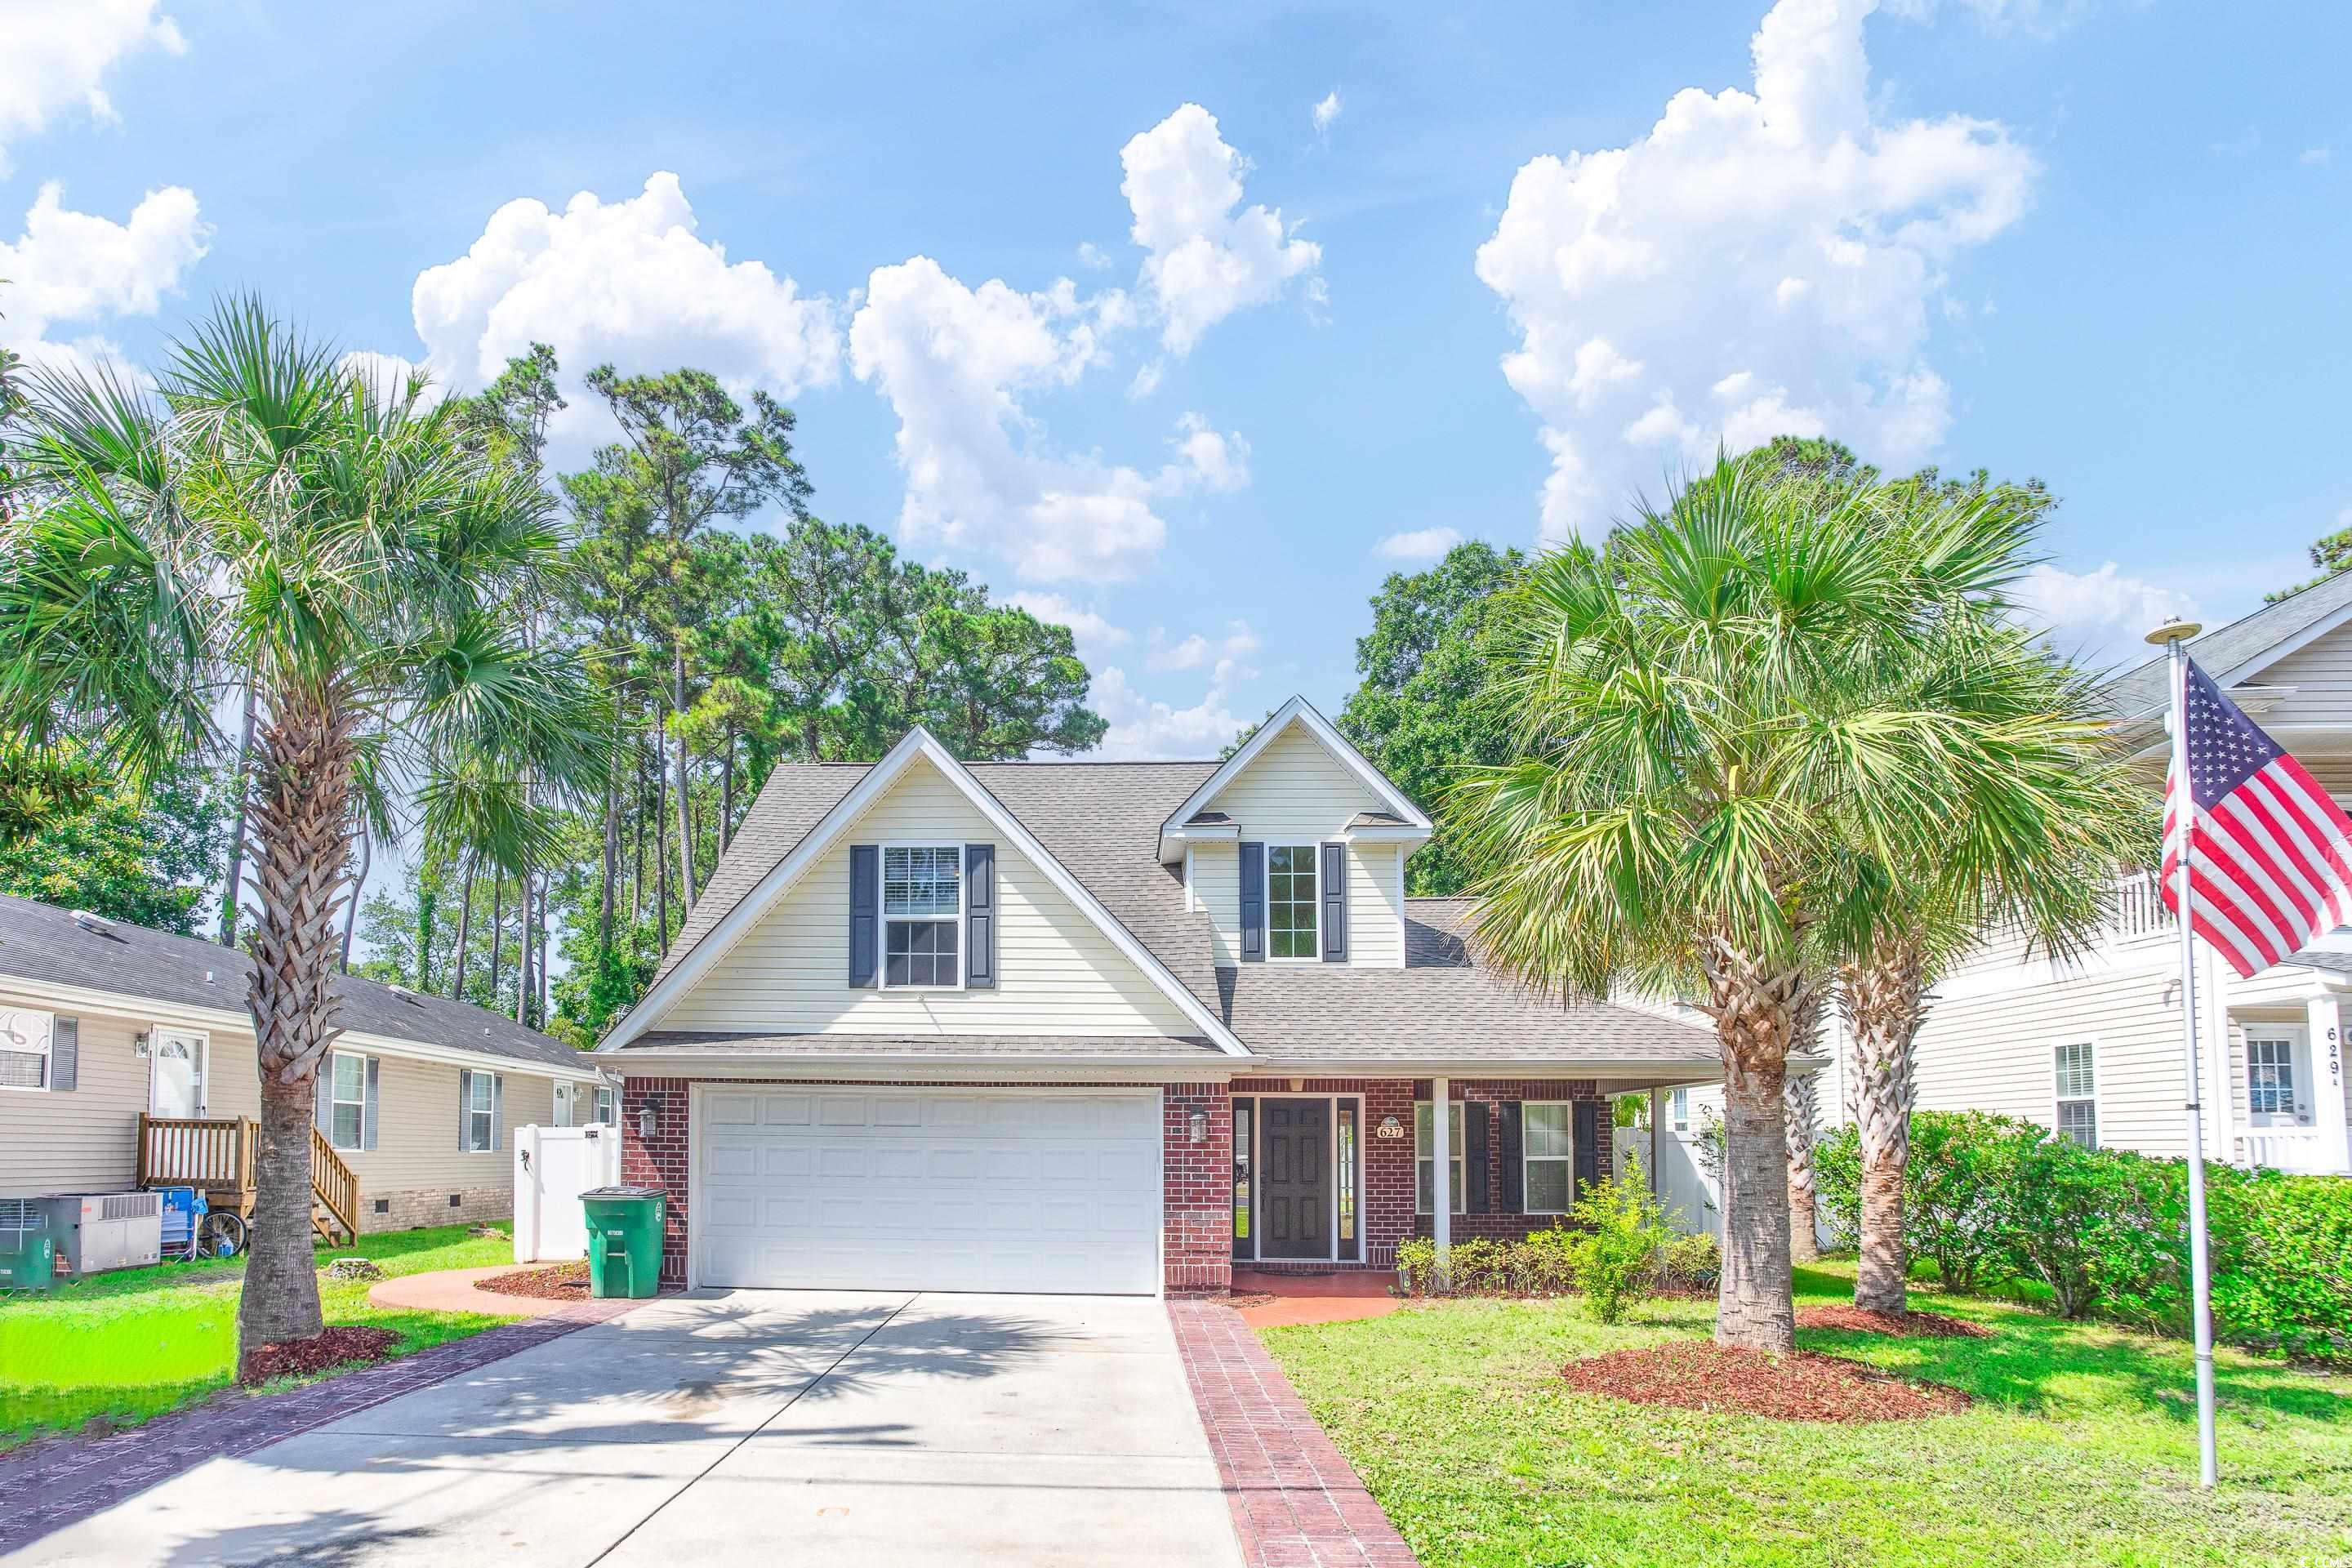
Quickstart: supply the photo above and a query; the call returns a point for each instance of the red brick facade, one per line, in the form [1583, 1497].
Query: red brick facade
[1197, 1182]
[1388, 1174]
[1197, 1196]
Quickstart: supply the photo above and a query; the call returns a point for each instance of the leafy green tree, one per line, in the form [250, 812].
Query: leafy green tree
[74, 836]
[266, 515]
[2331, 553]
[1704, 726]
[1422, 709]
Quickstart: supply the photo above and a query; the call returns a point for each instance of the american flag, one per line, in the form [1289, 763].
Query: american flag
[2270, 855]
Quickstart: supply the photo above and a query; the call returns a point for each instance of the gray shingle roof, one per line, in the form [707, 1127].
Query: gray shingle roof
[2141, 688]
[41, 942]
[1376, 819]
[1139, 1046]
[1440, 1005]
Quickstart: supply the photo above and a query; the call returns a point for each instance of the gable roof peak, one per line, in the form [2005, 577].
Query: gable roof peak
[1297, 712]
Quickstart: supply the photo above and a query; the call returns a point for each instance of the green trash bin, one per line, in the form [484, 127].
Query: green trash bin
[29, 1252]
[625, 1240]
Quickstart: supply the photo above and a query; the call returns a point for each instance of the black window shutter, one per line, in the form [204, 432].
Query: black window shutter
[1515, 1170]
[65, 1053]
[864, 911]
[980, 916]
[1334, 892]
[1253, 903]
[1587, 1135]
[1477, 1194]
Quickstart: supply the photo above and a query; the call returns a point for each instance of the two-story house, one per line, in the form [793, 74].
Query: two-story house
[1100, 1027]
[2093, 1049]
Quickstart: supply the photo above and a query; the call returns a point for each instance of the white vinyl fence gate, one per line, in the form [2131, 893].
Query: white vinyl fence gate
[553, 1165]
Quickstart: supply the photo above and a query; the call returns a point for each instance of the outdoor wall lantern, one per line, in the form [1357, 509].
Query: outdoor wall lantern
[1200, 1127]
[648, 1122]
[1390, 1127]
[142, 1044]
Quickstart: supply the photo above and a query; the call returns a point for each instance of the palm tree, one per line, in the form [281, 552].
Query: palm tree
[2041, 814]
[1704, 727]
[269, 515]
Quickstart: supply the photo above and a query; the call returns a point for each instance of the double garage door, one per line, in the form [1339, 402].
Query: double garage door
[927, 1189]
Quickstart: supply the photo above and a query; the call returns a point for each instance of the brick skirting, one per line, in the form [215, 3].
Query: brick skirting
[1295, 1498]
[420, 1207]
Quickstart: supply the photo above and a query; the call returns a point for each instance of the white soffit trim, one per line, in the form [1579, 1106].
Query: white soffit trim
[917, 742]
[1298, 710]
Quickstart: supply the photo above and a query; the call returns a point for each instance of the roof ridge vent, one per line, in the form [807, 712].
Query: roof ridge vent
[403, 992]
[90, 921]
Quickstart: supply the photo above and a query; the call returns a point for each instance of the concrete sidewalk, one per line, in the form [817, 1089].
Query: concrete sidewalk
[821, 1427]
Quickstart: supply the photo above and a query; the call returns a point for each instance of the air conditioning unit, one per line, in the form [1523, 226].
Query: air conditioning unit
[97, 1231]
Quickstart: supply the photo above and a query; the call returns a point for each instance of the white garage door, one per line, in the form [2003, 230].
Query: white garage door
[928, 1189]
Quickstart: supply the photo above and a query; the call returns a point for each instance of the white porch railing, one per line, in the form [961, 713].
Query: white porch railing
[2299, 1151]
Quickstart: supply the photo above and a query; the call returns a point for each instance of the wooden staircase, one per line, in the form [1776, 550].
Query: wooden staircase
[218, 1154]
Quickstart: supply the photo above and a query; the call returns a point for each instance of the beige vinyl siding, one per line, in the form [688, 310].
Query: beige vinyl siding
[1295, 792]
[1990, 1046]
[1058, 972]
[84, 1139]
[1217, 889]
[2321, 674]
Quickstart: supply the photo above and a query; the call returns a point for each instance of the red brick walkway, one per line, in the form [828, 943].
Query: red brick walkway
[52, 1484]
[1297, 1503]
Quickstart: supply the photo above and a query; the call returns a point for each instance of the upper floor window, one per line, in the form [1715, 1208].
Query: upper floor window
[1290, 904]
[2077, 1096]
[922, 911]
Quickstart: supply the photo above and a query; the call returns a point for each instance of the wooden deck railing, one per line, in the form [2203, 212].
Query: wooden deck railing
[215, 1153]
[335, 1184]
[218, 1154]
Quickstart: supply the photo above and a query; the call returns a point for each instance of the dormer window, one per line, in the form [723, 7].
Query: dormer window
[922, 910]
[1290, 901]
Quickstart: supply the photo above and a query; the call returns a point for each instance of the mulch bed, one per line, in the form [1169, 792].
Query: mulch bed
[337, 1346]
[559, 1283]
[1911, 1325]
[1698, 1374]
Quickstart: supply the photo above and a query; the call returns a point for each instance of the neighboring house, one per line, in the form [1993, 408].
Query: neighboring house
[2093, 1049]
[126, 1058]
[1100, 1027]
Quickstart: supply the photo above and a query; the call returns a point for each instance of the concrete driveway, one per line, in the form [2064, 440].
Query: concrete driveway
[861, 1428]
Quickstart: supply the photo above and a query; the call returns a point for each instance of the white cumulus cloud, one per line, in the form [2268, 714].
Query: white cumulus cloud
[957, 363]
[632, 282]
[1759, 262]
[77, 270]
[55, 55]
[2098, 617]
[1418, 545]
[1204, 260]
[1327, 110]
[1143, 728]
[1092, 630]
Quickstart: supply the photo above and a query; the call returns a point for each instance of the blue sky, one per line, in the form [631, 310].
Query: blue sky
[1093, 302]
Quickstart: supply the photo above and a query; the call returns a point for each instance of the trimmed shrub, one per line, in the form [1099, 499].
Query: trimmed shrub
[1693, 1262]
[1616, 1255]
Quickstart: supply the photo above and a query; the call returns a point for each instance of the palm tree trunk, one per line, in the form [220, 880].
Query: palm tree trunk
[237, 837]
[301, 816]
[465, 931]
[1882, 1006]
[1755, 1006]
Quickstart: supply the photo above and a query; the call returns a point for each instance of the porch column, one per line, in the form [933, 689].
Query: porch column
[2328, 1116]
[1440, 1166]
[1658, 1115]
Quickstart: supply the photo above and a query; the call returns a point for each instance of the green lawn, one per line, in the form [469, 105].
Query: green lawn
[2081, 1448]
[133, 1344]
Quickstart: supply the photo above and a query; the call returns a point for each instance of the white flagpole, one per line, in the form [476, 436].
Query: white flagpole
[2172, 635]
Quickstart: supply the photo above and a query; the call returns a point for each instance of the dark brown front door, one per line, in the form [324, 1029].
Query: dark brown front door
[1294, 1178]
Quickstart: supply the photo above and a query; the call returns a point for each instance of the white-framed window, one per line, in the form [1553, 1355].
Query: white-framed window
[1548, 1152]
[26, 1040]
[2274, 1073]
[1424, 1136]
[479, 1126]
[347, 1100]
[922, 916]
[564, 1093]
[607, 1112]
[2074, 1063]
[1678, 1110]
[1290, 902]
